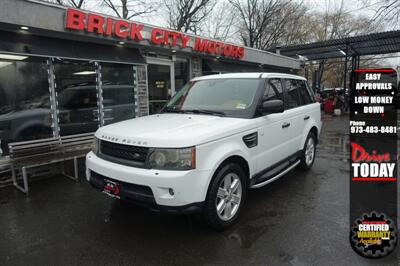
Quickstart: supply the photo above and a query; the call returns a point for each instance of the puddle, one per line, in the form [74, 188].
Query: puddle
[334, 144]
[246, 235]
[286, 257]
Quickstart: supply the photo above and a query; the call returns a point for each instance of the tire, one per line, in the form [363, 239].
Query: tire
[308, 153]
[230, 198]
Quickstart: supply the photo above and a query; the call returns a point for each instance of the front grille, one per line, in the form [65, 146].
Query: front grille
[125, 152]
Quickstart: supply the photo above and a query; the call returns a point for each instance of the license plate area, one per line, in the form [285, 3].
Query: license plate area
[112, 189]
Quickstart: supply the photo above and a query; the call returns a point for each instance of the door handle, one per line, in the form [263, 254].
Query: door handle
[285, 125]
[306, 117]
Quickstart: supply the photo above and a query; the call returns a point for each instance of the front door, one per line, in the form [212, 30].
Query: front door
[160, 84]
[273, 131]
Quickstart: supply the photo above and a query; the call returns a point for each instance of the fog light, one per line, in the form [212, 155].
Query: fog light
[171, 191]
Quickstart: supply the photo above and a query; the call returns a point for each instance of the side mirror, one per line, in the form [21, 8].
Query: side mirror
[272, 106]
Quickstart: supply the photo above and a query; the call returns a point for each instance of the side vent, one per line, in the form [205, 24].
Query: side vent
[251, 140]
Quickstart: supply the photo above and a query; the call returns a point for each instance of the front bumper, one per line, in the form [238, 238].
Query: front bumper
[151, 187]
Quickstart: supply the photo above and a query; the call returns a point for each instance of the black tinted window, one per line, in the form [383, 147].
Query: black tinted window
[24, 100]
[77, 98]
[305, 96]
[274, 90]
[292, 100]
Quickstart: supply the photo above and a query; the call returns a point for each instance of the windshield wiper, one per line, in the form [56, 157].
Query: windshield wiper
[204, 111]
[171, 111]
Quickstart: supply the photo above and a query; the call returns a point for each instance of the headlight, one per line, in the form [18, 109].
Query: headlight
[173, 159]
[95, 145]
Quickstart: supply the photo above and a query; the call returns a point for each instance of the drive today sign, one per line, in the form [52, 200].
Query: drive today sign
[126, 30]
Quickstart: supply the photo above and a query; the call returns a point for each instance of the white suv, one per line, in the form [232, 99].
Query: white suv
[217, 137]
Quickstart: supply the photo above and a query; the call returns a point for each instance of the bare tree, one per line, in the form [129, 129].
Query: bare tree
[72, 3]
[263, 21]
[128, 9]
[386, 11]
[289, 25]
[220, 24]
[186, 15]
[337, 23]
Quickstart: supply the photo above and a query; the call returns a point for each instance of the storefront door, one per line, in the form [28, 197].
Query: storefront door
[161, 83]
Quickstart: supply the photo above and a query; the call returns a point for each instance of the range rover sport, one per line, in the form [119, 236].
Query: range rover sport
[217, 137]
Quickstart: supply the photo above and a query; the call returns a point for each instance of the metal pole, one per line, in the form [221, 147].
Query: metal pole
[100, 94]
[53, 98]
[76, 170]
[306, 72]
[345, 73]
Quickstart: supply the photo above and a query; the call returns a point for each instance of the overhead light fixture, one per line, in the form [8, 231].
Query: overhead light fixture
[342, 52]
[12, 57]
[173, 51]
[122, 43]
[301, 57]
[82, 73]
[24, 28]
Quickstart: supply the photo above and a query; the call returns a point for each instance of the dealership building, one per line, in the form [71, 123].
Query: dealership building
[65, 71]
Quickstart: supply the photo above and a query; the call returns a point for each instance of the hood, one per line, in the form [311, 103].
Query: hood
[172, 130]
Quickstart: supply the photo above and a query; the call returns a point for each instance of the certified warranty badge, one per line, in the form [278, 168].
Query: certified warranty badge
[374, 235]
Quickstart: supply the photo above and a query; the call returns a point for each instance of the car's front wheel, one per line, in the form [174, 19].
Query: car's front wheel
[225, 197]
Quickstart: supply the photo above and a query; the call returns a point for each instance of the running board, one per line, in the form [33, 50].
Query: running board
[275, 177]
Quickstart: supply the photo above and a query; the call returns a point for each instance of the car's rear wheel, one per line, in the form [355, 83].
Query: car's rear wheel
[308, 152]
[225, 196]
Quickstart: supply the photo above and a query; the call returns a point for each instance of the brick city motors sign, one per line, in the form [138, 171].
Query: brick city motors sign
[124, 30]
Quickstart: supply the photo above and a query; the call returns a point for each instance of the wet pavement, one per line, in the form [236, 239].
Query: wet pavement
[301, 219]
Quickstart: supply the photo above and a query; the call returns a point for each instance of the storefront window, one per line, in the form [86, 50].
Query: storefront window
[77, 97]
[181, 72]
[24, 99]
[159, 82]
[118, 92]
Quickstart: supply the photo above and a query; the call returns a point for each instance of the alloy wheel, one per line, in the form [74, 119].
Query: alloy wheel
[229, 196]
[310, 151]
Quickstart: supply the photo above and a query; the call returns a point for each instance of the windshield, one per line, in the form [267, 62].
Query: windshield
[226, 97]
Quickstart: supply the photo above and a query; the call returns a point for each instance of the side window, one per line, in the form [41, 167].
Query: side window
[310, 91]
[292, 100]
[305, 96]
[273, 91]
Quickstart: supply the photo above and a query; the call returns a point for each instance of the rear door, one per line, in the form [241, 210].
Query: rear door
[310, 108]
[294, 114]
